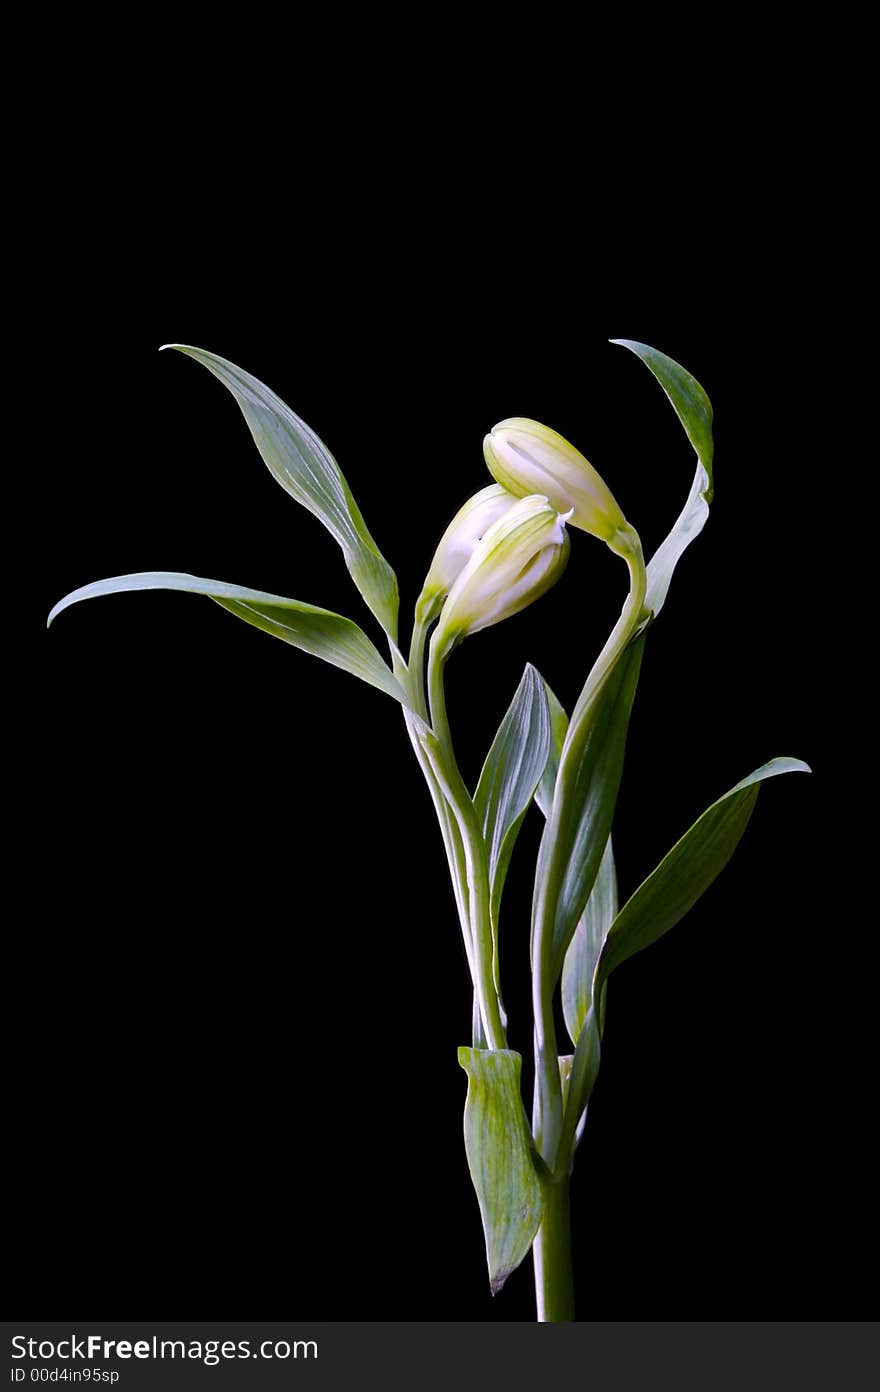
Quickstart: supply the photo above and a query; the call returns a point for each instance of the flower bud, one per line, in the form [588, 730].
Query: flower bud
[527, 457]
[457, 544]
[513, 563]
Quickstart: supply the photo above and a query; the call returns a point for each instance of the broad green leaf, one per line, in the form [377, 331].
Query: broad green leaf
[318, 631]
[498, 1145]
[508, 781]
[694, 410]
[587, 943]
[559, 729]
[304, 466]
[577, 837]
[687, 871]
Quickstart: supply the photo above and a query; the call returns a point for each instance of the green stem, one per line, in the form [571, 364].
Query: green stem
[476, 858]
[548, 1105]
[631, 615]
[551, 1253]
[413, 678]
[417, 664]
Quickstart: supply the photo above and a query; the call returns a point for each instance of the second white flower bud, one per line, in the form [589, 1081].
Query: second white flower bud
[456, 546]
[517, 560]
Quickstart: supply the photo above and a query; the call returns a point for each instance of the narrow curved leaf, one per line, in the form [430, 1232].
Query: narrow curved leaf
[558, 730]
[687, 871]
[498, 1145]
[587, 943]
[585, 824]
[319, 631]
[510, 775]
[304, 466]
[601, 909]
[694, 410]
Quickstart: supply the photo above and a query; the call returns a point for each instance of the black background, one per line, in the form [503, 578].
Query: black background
[238, 1003]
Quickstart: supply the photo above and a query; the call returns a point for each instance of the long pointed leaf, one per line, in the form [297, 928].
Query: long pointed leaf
[304, 466]
[584, 831]
[586, 945]
[510, 775]
[499, 1154]
[687, 871]
[319, 631]
[558, 729]
[601, 908]
[694, 410]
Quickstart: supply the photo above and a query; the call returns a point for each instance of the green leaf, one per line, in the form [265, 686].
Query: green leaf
[586, 945]
[580, 837]
[304, 466]
[318, 631]
[582, 1079]
[687, 871]
[565, 1066]
[694, 410]
[510, 775]
[594, 923]
[558, 729]
[498, 1145]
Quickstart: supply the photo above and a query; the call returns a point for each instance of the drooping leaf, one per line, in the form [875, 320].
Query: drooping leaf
[687, 871]
[319, 631]
[559, 729]
[587, 943]
[694, 410]
[498, 1145]
[580, 833]
[510, 775]
[304, 466]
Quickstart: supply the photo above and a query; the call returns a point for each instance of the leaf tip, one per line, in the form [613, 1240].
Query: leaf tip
[497, 1281]
[55, 611]
[786, 764]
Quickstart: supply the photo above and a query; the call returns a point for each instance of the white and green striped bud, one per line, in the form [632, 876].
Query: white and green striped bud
[457, 545]
[517, 560]
[527, 457]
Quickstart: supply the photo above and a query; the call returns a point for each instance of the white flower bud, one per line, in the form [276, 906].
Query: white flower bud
[457, 544]
[527, 457]
[514, 563]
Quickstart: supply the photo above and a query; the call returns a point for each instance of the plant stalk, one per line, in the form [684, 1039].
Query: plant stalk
[412, 677]
[475, 857]
[551, 1252]
[547, 1110]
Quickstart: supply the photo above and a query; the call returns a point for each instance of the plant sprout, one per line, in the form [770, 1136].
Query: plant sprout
[506, 546]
